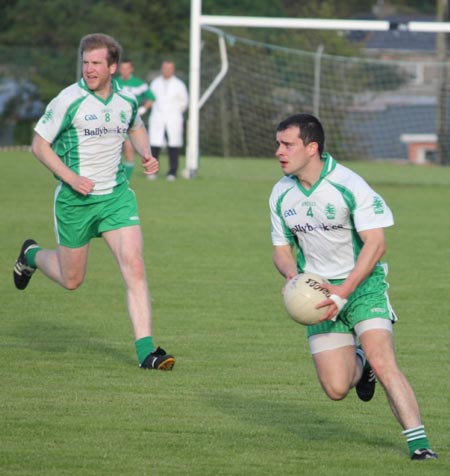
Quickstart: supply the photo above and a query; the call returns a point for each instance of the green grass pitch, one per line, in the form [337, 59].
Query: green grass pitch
[243, 398]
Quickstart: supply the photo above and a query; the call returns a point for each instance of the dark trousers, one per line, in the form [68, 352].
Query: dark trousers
[174, 154]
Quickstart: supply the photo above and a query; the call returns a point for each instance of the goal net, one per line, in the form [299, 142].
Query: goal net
[369, 108]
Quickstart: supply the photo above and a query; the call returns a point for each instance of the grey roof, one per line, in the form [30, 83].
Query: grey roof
[379, 132]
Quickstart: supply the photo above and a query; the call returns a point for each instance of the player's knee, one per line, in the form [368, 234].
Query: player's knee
[336, 396]
[72, 283]
[336, 391]
[134, 271]
[385, 371]
[383, 365]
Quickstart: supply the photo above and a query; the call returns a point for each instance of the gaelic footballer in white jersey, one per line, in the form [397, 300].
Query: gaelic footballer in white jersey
[87, 132]
[326, 218]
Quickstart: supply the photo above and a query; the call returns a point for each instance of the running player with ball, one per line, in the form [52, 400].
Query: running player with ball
[327, 220]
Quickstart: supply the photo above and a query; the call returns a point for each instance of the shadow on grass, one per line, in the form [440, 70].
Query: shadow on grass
[51, 337]
[300, 420]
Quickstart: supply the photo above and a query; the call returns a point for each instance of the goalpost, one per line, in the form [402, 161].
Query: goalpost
[209, 22]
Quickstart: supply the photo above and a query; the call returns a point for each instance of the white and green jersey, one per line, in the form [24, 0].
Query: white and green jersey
[137, 87]
[87, 132]
[322, 223]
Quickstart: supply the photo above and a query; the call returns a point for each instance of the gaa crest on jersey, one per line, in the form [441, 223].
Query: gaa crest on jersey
[378, 205]
[330, 211]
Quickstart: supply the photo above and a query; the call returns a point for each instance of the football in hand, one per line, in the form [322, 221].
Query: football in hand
[301, 295]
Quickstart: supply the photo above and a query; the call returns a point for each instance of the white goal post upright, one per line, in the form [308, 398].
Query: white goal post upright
[198, 20]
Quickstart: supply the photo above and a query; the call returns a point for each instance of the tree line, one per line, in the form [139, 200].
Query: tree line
[39, 38]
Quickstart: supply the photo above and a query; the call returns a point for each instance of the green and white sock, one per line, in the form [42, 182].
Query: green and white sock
[416, 439]
[362, 356]
[144, 347]
[30, 255]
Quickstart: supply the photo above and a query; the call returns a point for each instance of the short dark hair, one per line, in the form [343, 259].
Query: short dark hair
[310, 129]
[95, 41]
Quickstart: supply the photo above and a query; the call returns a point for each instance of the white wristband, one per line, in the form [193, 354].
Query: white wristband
[340, 302]
[142, 110]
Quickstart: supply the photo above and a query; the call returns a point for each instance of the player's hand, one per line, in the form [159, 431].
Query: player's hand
[334, 303]
[288, 278]
[331, 310]
[150, 164]
[82, 185]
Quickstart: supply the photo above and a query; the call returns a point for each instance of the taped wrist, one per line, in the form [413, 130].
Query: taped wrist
[340, 302]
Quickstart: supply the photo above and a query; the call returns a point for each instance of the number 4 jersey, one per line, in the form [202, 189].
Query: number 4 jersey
[323, 222]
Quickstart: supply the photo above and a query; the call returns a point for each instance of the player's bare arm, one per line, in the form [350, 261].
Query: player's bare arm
[45, 154]
[284, 261]
[139, 139]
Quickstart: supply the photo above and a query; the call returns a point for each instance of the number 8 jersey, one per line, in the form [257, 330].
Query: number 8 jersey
[87, 132]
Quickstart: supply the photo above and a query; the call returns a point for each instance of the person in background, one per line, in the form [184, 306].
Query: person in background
[139, 88]
[166, 118]
[327, 220]
[79, 139]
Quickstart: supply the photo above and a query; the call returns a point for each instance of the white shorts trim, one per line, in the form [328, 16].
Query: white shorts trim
[330, 341]
[376, 323]
[335, 340]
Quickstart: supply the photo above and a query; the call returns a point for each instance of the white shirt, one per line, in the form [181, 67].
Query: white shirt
[323, 222]
[167, 111]
[87, 132]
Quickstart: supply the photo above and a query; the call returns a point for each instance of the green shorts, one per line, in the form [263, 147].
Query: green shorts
[369, 300]
[77, 222]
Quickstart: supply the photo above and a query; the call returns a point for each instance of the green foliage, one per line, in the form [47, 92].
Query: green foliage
[385, 74]
[39, 34]
[333, 42]
[428, 8]
[162, 26]
[353, 8]
[244, 8]
[39, 39]
[137, 23]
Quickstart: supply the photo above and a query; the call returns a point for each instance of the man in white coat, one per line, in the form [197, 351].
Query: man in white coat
[166, 118]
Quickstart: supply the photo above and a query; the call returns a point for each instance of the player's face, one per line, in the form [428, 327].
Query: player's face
[125, 70]
[294, 156]
[97, 73]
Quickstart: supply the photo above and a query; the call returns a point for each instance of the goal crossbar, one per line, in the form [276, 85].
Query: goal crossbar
[198, 21]
[324, 24]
